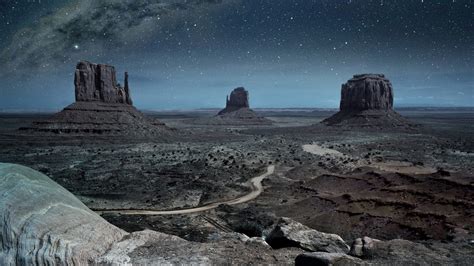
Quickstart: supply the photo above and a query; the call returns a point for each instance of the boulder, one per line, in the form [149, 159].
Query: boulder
[398, 251]
[327, 259]
[362, 246]
[44, 224]
[289, 233]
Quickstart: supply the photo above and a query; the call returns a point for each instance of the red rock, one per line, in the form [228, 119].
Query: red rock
[98, 83]
[239, 98]
[367, 101]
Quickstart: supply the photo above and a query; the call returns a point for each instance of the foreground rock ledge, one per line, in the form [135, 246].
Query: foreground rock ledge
[289, 233]
[44, 224]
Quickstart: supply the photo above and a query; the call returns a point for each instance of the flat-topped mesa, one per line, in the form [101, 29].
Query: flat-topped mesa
[367, 101]
[98, 83]
[367, 92]
[239, 98]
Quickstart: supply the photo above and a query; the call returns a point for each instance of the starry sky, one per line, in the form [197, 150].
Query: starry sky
[185, 54]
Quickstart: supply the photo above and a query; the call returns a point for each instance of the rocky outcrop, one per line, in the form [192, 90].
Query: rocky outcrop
[367, 92]
[329, 259]
[98, 83]
[288, 233]
[367, 101]
[239, 98]
[102, 107]
[44, 224]
[401, 252]
[362, 246]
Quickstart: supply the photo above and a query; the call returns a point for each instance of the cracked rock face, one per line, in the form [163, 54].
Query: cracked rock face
[98, 83]
[366, 92]
[400, 252]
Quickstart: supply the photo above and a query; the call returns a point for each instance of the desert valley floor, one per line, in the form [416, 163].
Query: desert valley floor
[415, 184]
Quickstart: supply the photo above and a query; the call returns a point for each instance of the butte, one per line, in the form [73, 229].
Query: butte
[237, 110]
[367, 102]
[102, 106]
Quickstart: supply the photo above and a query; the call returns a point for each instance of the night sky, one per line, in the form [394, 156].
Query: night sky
[191, 54]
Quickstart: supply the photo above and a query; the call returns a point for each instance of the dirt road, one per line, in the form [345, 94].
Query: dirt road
[257, 188]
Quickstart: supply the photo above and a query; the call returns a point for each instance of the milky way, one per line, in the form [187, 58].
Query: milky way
[189, 54]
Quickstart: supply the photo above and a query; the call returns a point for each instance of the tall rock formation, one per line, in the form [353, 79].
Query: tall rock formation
[237, 111]
[367, 101]
[102, 107]
[239, 98]
[365, 92]
[98, 83]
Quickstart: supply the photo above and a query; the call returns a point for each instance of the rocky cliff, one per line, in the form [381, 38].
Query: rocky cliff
[367, 101]
[98, 82]
[366, 92]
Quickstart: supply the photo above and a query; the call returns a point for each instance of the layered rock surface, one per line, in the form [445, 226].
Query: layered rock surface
[367, 101]
[367, 92]
[102, 107]
[44, 224]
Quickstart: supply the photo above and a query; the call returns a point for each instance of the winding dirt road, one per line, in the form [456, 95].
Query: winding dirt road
[257, 189]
